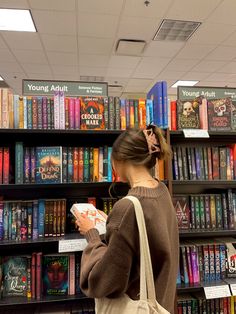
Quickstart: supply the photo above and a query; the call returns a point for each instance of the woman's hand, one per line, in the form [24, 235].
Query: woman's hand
[84, 223]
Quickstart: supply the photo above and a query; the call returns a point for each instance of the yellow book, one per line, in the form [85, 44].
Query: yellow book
[232, 305]
[131, 113]
[11, 109]
[21, 112]
[95, 164]
[213, 211]
[161, 165]
[5, 110]
[142, 113]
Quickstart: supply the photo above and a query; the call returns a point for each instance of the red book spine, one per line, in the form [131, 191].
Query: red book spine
[76, 164]
[173, 115]
[77, 113]
[6, 165]
[35, 113]
[38, 275]
[67, 113]
[92, 200]
[210, 175]
[33, 276]
[71, 113]
[63, 217]
[81, 164]
[1, 165]
[72, 275]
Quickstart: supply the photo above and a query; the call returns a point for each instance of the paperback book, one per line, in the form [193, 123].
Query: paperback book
[219, 114]
[92, 113]
[188, 114]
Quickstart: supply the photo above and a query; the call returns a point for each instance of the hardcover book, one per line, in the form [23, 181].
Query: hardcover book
[55, 275]
[92, 113]
[219, 114]
[48, 164]
[188, 114]
[15, 276]
[181, 205]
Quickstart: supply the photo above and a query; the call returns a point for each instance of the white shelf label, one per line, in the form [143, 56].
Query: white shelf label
[216, 292]
[233, 289]
[197, 133]
[72, 245]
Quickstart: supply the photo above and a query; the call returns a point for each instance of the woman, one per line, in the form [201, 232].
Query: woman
[112, 269]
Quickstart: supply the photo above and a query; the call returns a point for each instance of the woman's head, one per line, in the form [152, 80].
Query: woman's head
[133, 147]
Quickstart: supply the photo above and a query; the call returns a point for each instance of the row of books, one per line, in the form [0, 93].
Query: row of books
[22, 220]
[37, 275]
[4, 165]
[206, 260]
[197, 304]
[204, 163]
[206, 211]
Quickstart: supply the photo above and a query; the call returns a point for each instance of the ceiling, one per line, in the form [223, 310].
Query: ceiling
[76, 39]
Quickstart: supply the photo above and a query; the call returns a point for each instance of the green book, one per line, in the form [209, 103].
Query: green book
[86, 164]
[19, 164]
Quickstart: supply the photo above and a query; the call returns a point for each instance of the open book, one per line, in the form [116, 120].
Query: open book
[92, 213]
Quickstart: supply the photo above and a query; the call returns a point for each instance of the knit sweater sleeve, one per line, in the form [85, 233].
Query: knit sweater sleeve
[105, 268]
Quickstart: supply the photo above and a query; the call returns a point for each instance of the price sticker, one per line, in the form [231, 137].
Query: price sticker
[215, 292]
[73, 245]
[196, 133]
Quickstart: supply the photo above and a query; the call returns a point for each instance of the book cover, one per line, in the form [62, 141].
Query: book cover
[27, 178]
[181, 205]
[77, 113]
[75, 164]
[48, 164]
[223, 163]
[64, 165]
[95, 164]
[91, 165]
[203, 114]
[173, 115]
[19, 163]
[70, 165]
[117, 112]
[40, 113]
[81, 164]
[15, 276]
[219, 114]
[231, 260]
[44, 113]
[164, 104]
[71, 113]
[86, 173]
[67, 118]
[33, 164]
[142, 113]
[106, 113]
[92, 113]
[188, 114]
[6, 165]
[122, 114]
[34, 113]
[111, 113]
[62, 110]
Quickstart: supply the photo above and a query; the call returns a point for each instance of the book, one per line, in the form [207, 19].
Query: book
[181, 205]
[92, 113]
[49, 164]
[219, 114]
[188, 114]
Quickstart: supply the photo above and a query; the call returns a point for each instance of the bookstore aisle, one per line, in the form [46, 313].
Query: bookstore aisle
[76, 74]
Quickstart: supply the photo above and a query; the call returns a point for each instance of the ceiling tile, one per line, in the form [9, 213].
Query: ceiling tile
[225, 13]
[211, 34]
[2, 43]
[56, 5]
[197, 10]
[68, 77]
[120, 72]
[25, 41]
[91, 45]
[93, 71]
[195, 76]
[64, 70]
[31, 56]
[137, 28]
[36, 68]
[6, 55]
[93, 60]
[222, 53]
[195, 51]
[14, 4]
[216, 77]
[181, 64]
[211, 84]
[230, 41]
[59, 43]
[55, 22]
[62, 58]
[116, 80]
[150, 67]
[171, 75]
[126, 62]
[162, 49]
[10, 67]
[208, 66]
[12, 76]
[229, 67]
[38, 76]
[134, 89]
[95, 25]
[140, 82]
[112, 7]
[155, 9]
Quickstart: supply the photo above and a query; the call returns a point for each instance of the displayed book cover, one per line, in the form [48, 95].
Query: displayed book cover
[92, 113]
[231, 260]
[49, 164]
[188, 114]
[14, 276]
[181, 205]
[219, 114]
[92, 213]
[55, 275]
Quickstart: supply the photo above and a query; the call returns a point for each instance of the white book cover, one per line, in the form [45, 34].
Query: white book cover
[62, 110]
[56, 110]
[92, 213]
[25, 112]
[100, 167]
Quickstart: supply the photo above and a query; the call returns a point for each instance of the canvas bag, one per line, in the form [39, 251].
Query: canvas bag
[147, 303]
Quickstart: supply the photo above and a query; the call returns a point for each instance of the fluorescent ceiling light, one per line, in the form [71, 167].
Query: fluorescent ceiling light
[184, 83]
[1, 79]
[16, 20]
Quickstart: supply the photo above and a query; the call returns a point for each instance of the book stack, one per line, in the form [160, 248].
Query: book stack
[4, 165]
[204, 163]
[22, 220]
[37, 275]
[200, 212]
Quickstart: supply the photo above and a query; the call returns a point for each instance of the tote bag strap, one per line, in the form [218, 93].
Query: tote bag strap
[147, 288]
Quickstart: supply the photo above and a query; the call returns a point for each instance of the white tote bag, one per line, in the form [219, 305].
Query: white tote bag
[147, 303]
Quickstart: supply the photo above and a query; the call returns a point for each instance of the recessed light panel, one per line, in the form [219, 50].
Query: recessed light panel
[184, 83]
[174, 30]
[1, 79]
[16, 20]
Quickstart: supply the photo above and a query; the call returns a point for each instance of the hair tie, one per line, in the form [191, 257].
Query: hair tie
[152, 142]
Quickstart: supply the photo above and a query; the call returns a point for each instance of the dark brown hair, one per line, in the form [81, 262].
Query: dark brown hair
[132, 146]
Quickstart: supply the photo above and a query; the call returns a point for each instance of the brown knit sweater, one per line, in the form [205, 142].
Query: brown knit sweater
[111, 269]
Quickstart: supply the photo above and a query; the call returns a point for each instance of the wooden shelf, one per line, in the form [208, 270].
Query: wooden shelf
[188, 288]
[205, 186]
[206, 234]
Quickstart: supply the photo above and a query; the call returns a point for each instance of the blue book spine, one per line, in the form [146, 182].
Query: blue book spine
[9, 220]
[1, 221]
[41, 214]
[6, 221]
[30, 219]
[178, 282]
[149, 111]
[29, 113]
[16, 111]
[159, 105]
[222, 261]
[109, 164]
[164, 105]
[13, 221]
[35, 220]
[25, 112]
[198, 163]
[19, 165]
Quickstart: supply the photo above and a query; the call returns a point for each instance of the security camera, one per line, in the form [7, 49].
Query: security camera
[147, 2]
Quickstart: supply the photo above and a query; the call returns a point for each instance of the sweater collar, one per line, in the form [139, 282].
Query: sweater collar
[142, 191]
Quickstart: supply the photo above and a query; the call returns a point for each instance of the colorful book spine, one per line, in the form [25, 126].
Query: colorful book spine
[86, 175]
[81, 164]
[1, 221]
[142, 113]
[51, 118]
[62, 110]
[70, 165]
[5, 109]
[111, 112]
[123, 114]
[105, 164]
[35, 233]
[106, 113]
[44, 113]
[76, 164]
[159, 111]
[25, 112]
[149, 111]
[127, 115]
[131, 113]
[77, 113]
[109, 174]
[6, 165]
[100, 167]
[164, 105]
[56, 111]
[173, 115]
[33, 164]
[16, 111]
[40, 113]
[64, 165]
[117, 112]
[95, 164]
[41, 214]
[1, 165]
[213, 211]
[27, 178]
[30, 219]
[35, 113]
[91, 165]
[71, 113]
[19, 164]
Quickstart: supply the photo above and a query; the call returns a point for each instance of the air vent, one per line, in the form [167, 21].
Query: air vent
[174, 30]
[130, 47]
[86, 78]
